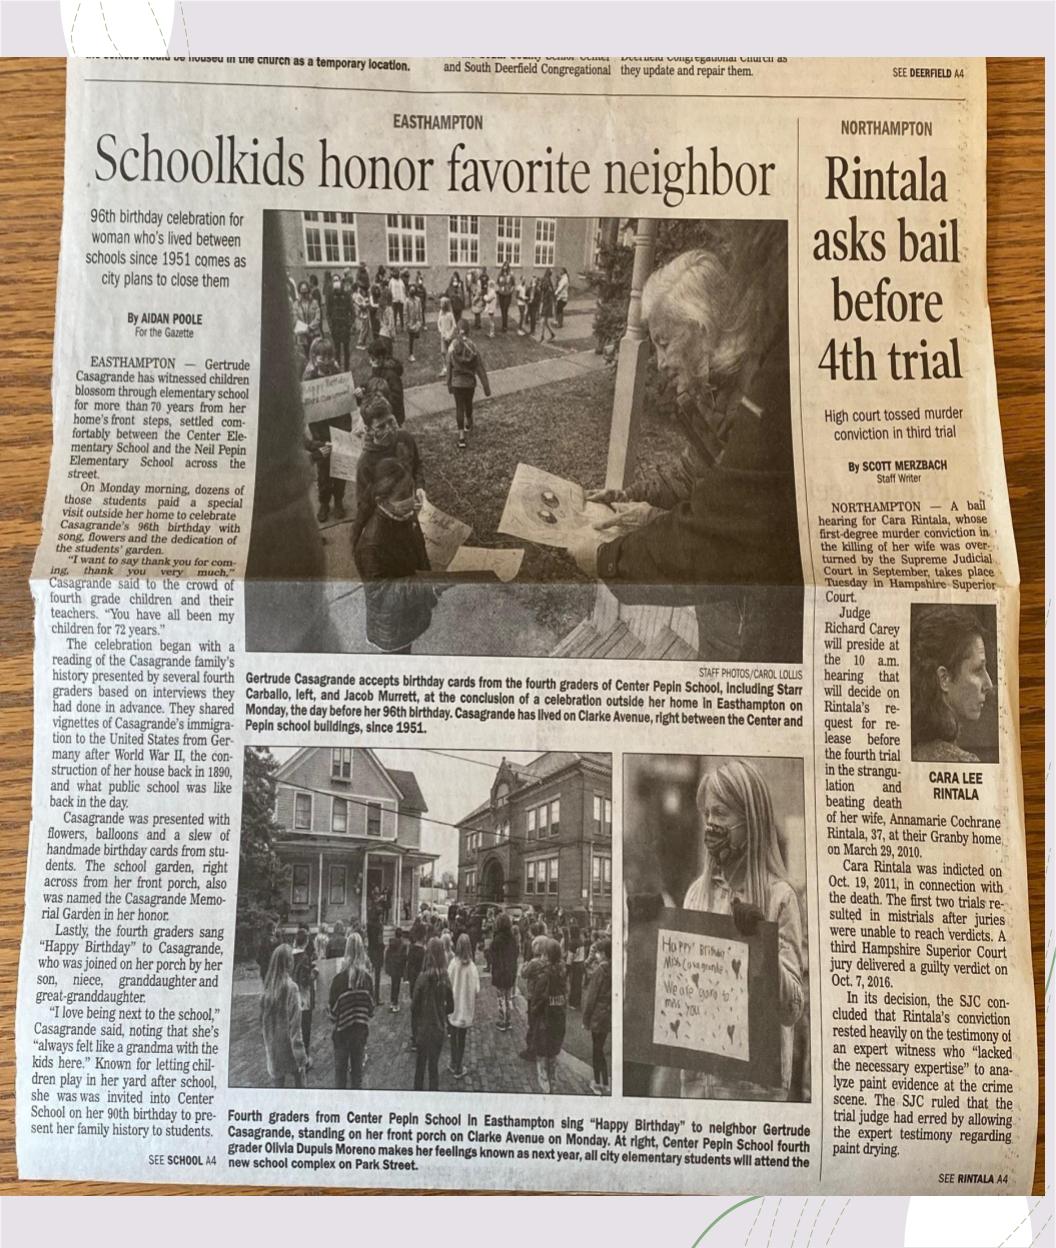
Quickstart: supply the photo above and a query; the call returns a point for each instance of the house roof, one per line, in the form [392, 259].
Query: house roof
[542, 768]
[407, 783]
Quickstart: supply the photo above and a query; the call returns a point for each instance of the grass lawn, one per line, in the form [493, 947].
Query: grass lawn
[502, 351]
[562, 428]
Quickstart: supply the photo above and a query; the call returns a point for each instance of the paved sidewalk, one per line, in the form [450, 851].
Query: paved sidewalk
[492, 1063]
[435, 399]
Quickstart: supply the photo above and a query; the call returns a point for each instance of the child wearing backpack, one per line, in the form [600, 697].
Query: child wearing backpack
[464, 367]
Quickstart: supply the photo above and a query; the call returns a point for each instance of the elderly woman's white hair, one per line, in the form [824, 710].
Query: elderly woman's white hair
[693, 292]
[730, 296]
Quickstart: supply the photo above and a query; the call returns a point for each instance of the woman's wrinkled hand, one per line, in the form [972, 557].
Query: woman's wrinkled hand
[607, 497]
[628, 516]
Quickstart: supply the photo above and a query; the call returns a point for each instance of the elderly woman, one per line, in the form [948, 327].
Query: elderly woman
[725, 514]
[949, 681]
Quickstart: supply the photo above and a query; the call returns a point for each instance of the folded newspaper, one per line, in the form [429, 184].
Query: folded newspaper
[667, 838]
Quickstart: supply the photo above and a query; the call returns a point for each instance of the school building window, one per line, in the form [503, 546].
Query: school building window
[463, 240]
[532, 815]
[300, 883]
[471, 881]
[330, 237]
[540, 877]
[504, 831]
[602, 816]
[302, 811]
[473, 842]
[339, 816]
[508, 241]
[555, 817]
[338, 881]
[601, 875]
[373, 819]
[341, 764]
[405, 238]
[545, 238]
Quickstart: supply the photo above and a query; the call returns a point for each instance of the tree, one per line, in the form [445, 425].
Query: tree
[261, 872]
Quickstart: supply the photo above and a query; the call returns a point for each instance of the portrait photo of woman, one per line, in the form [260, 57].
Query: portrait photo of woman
[952, 684]
[725, 836]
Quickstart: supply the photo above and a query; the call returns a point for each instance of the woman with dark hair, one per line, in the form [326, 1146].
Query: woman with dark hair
[546, 306]
[744, 875]
[717, 530]
[949, 681]
[456, 295]
[390, 553]
[504, 956]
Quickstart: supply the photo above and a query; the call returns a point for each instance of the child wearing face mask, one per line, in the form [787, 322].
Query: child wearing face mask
[384, 439]
[744, 876]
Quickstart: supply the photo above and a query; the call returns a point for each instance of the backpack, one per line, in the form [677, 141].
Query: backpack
[463, 352]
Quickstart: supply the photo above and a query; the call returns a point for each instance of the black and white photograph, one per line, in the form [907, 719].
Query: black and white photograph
[528, 436]
[424, 920]
[953, 683]
[717, 983]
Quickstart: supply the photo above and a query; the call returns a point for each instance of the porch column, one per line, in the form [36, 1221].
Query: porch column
[630, 370]
[319, 899]
[363, 887]
[397, 916]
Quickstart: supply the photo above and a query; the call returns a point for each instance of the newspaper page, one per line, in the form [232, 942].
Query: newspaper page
[527, 635]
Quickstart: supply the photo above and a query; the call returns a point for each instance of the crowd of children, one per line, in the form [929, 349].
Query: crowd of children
[358, 312]
[550, 961]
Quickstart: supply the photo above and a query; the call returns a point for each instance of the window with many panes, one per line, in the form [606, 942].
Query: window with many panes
[341, 764]
[540, 877]
[463, 240]
[508, 241]
[300, 884]
[532, 817]
[405, 238]
[330, 237]
[545, 239]
[555, 817]
[302, 810]
[373, 819]
[602, 816]
[338, 884]
[471, 881]
[339, 815]
[601, 875]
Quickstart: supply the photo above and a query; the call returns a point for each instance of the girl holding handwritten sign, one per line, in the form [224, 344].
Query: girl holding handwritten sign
[745, 876]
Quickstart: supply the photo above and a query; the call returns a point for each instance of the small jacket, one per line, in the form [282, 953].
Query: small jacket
[464, 366]
[389, 554]
[396, 959]
[404, 449]
[431, 1004]
[504, 953]
[415, 962]
[597, 1008]
[351, 1003]
[281, 1029]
